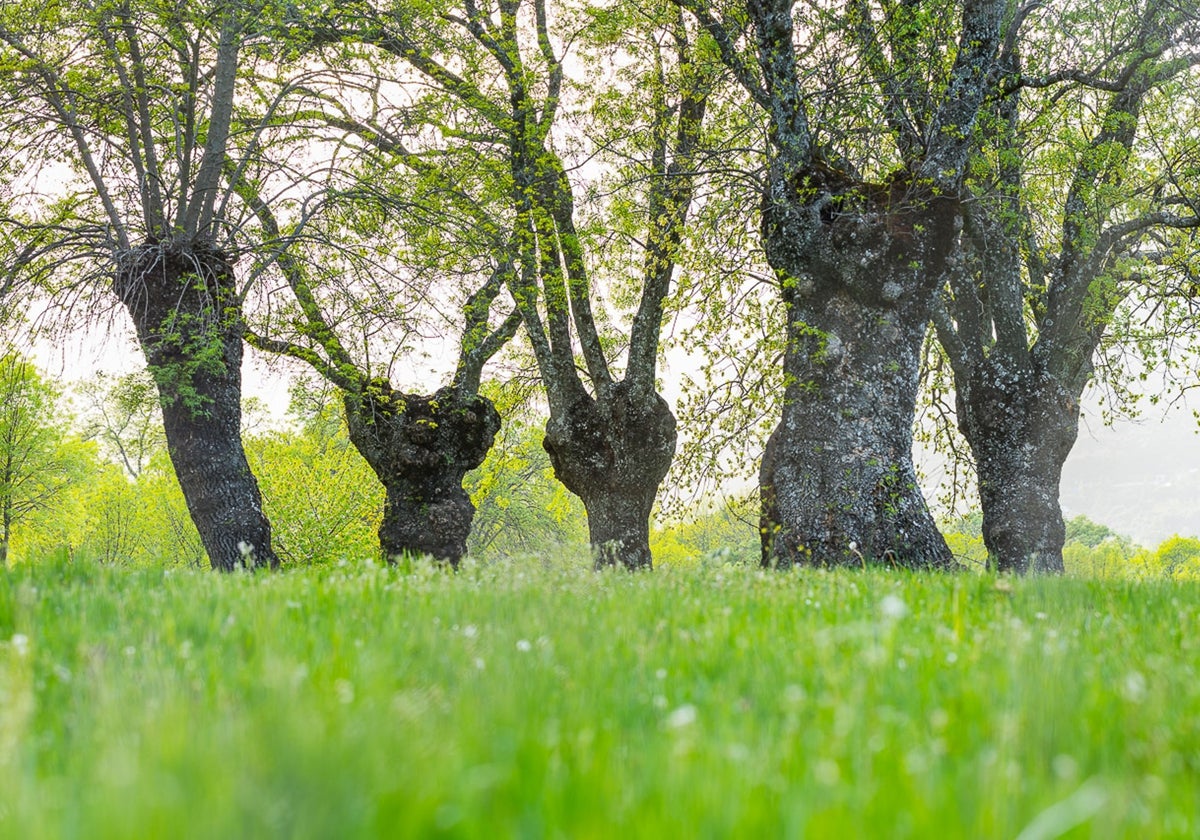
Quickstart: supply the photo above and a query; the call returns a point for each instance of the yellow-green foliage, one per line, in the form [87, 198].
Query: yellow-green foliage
[968, 549]
[726, 534]
[1095, 551]
[1092, 550]
[113, 519]
[520, 507]
[323, 500]
[1179, 557]
[1110, 559]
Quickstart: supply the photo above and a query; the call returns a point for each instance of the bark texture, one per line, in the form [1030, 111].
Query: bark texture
[1021, 426]
[5, 536]
[1018, 383]
[184, 306]
[859, 264]
[613, 453]
[421, 447]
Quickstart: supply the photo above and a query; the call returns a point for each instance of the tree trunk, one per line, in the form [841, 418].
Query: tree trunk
[859, 268]
[613, 454]
[5, 536]
[184, 306]
[1021, 427]
[420, 447]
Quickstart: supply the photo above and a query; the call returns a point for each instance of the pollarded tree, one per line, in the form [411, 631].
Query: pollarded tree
[871, 111]
[1080, 187]
[128, 106]
[611, 437]
[611, 441]
[384, 281]
[420, 446]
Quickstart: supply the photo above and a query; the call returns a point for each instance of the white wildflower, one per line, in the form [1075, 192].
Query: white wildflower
[1134, 687]
[685, 715]
[893, 607]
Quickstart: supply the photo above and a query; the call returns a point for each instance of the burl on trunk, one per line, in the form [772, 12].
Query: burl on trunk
[421, 447]
[613, 453]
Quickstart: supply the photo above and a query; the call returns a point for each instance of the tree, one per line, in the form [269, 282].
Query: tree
[1179, 557]
[123, 416]
[420, 446]
[610, 437]
[860, 212]
[1044, 268]
[36, 459]
[138, 99]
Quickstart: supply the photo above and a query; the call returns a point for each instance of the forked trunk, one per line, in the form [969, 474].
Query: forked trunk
[613, 454]
[837, 481]
[1021, 428]
[420, 447]
[185, 309]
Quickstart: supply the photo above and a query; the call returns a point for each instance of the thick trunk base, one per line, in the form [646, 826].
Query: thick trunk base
[1021, 428]
[184, 307]
[1023, 527]
[619, 531]
[421, 447]
[843, 491]
[613, 454]
[860, 264]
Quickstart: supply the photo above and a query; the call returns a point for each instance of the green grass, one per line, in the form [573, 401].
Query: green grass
[554, 702]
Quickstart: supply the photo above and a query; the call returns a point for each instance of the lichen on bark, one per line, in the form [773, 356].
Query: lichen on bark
[420, 447]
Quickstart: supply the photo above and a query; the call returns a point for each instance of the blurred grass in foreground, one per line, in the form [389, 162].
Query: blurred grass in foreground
[540, 699]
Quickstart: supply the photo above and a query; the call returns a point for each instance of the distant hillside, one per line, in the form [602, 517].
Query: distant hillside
[1139, 478]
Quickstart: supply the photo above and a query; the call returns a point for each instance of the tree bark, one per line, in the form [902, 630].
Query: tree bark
[421, 447]
[613, 454]
[184, 306]
[859, 265]
[5, 536]
[1021, 427]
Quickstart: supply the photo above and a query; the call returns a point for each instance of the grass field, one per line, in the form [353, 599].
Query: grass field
[554, 702]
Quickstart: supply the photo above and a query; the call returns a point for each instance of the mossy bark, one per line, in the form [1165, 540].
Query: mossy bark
[184, 306]
[613, 454]
[421, 447]
[859, 265]
[1021, 427]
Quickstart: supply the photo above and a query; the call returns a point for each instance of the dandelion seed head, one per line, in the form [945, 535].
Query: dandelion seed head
[893, 607]
[683, 716]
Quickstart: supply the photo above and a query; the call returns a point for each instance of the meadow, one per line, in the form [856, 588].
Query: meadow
[540, 699]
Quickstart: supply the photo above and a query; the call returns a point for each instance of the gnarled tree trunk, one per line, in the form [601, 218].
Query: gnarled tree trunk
[613, 453]
[859, 268]
[184, 306]
[1021, 426]
[421, 447]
